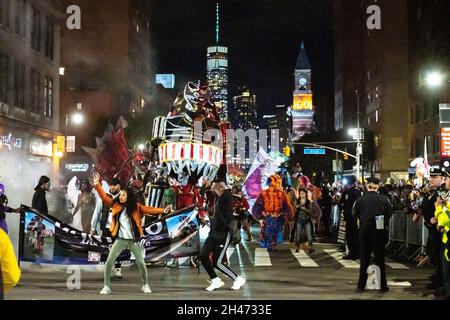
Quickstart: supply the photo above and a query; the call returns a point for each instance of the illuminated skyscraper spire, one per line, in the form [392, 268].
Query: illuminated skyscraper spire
[217, 71]
[217, 23]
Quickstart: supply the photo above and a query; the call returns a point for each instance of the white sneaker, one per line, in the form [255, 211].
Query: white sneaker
[117, 273]
[106, 290]
[146, 289]
[238, 283]
[216, 283]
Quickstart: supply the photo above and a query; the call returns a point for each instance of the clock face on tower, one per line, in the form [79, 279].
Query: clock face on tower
[303, 81]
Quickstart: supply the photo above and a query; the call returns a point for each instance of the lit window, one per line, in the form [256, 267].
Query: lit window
[376, 116]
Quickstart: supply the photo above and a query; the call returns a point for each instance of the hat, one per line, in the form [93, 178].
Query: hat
[221, 174]
[114, 182]
[445, 172]
[42, 180]
[373, 180]
[436, 172]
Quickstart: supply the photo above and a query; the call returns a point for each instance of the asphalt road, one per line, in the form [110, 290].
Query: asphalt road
[283, 274]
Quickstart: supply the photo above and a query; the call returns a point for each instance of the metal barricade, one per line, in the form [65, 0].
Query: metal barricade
[398, 226]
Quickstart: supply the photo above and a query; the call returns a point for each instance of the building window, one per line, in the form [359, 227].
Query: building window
[21, 17]
[35, 86]
[19, 85]
[36, 29]
[4, 78]
[49, 38]
[418, 113]
[48, 97]
[419, 147]
[436, 143]
[4, 13]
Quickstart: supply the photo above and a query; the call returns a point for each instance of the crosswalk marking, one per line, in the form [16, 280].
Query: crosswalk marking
[395, 265]
[304, 259]
[262, 258]
[338, 257]
[399, 284]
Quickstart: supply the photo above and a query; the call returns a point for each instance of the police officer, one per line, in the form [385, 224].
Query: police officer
[442, 214]
[434, 237]
[373, 210]
[351, 194]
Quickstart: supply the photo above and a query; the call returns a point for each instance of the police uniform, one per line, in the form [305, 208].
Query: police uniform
[442, 214]
[373, 235]
[351, 227]
[434, 236]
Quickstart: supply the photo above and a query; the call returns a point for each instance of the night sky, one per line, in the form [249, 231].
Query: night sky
[263, 39]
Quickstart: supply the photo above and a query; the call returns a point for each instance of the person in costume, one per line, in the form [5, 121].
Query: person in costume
[272, 207]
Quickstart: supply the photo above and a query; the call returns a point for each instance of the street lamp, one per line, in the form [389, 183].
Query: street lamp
[76, 118]
[434, 79]
[357, 134]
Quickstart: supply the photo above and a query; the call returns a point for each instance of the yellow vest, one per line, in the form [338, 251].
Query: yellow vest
[442, 215]
[10, 268]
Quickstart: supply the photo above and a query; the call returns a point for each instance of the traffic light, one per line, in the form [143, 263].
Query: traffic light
[345, 154]
[287, 151]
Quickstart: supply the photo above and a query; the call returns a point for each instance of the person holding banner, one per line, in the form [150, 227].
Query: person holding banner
[3, 210]
[126, 228]
[102, 215]
[219, 239]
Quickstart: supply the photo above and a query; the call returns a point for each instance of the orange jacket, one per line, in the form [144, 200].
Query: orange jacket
[116, 209]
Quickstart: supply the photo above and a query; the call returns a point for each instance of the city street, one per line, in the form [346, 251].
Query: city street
[280, 275]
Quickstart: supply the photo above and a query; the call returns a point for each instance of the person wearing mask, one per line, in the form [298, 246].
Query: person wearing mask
[126, 228]
[103, 216]
[39, 201]
[350, 195]
[9, 268]
[3, 210]
[373, 210]
[427, 209]
[219, 239]
[86, 205]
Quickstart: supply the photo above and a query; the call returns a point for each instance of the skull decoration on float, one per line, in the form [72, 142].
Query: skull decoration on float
[183, 153]
[186, 141]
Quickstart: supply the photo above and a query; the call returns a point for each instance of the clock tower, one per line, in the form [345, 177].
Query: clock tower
[302, 106]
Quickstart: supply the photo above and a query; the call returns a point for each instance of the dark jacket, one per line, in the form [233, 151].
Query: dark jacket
[427, 207]
[373, 204]
[223, 216]
[349, 197]
[39, 202]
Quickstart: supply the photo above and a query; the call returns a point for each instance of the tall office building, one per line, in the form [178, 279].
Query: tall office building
[107, 66]
[217, 72]
[29, 94]
[244, 109]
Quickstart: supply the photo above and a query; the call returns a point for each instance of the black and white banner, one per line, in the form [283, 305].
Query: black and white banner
[45, 239]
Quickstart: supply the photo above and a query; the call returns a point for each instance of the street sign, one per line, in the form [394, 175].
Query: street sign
[319, 151]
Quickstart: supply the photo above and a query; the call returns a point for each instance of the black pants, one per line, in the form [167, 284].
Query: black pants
[107, 233]
[371, 239]
[326, 219]
[218, 249]
[436, 254]
[351, 235]
[446, 270]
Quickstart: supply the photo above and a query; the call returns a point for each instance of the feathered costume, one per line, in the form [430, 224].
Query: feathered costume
[273, 206]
